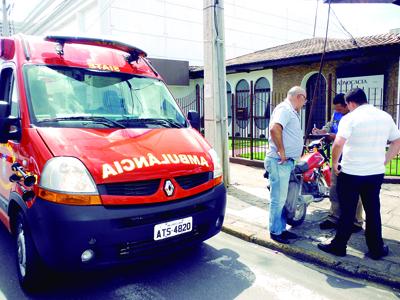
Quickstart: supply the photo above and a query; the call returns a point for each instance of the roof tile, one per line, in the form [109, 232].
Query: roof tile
[314, 46]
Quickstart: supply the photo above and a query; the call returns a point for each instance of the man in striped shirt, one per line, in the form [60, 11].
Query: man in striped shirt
[362, 138]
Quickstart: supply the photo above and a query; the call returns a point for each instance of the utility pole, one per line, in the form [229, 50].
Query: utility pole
[215, 105]
[6, 31]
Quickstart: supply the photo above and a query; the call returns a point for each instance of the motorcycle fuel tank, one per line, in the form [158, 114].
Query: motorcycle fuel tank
[313, 160]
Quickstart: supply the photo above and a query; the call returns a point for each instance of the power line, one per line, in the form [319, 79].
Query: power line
[274, 15]
[353, 39]
[257, 34]
[158, 15]
[317, 86]
[315, 20]
[158, 35]
[262, 24]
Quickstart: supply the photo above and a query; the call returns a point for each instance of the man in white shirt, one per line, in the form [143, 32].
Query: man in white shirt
[362, 138]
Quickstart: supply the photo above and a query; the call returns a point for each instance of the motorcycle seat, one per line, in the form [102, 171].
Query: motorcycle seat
[300, 167]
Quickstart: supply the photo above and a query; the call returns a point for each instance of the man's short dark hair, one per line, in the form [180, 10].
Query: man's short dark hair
[339, 99]
[357, 96]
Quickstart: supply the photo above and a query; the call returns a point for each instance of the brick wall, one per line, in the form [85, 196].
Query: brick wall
[286, 77]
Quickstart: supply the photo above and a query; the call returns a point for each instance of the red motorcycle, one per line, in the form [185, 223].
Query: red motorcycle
[309, 181]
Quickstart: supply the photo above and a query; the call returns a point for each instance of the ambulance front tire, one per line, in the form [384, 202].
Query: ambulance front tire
[30, 268]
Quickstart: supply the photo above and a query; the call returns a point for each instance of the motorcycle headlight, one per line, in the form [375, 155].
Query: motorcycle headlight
[67, 175]
[216, 162]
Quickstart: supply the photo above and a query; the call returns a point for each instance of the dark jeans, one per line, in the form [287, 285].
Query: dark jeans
[350, 188]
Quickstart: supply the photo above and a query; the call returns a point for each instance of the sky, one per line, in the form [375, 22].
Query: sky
[278, 22]
[253, 25]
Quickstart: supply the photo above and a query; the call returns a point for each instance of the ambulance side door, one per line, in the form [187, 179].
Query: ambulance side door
[9, 150]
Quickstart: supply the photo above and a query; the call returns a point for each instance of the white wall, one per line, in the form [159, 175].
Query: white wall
[165, 29]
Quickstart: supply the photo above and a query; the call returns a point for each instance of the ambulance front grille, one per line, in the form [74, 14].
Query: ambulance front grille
[136, 188]
[151, 247]
[191, 181]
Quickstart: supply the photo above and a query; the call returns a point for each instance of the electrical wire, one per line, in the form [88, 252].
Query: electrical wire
[315, 19]
[317, 86]
[263, 24]
[345, 30]
[271, 14]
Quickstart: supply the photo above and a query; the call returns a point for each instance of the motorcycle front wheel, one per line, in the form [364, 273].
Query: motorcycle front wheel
[300, 213]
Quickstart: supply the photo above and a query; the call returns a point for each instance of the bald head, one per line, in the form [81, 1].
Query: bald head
[297, 96]
[296, 90]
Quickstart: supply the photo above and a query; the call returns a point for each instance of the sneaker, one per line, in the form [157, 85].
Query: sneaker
[327, 225]
[356, 228]
[279, 238]
[289, 235]
[332, 249]
[376, 256]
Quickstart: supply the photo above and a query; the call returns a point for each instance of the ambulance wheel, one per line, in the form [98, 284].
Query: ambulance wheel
[299, 215]
[29, 265]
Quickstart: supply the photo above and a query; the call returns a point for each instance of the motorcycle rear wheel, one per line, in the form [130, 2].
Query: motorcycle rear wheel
[299, 215]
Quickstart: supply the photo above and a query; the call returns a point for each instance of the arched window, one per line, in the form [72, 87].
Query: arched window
[242, 103]
[261, 109]
[319, 108]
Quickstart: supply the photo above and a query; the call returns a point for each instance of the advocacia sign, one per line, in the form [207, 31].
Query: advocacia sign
[372, 86]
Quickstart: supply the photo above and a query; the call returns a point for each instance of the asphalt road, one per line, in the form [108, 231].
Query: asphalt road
[222, 268]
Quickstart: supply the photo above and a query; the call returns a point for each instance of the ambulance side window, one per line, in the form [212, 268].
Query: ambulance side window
[14, 101]
[8, 91]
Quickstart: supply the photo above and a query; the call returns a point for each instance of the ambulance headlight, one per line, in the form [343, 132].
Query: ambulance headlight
[67, 175]
[216, 162]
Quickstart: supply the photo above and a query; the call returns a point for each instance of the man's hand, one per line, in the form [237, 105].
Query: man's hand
[337, 149]
[336, 168]
[282, 156]
[276, 135]
[394, 149]
[318, 131]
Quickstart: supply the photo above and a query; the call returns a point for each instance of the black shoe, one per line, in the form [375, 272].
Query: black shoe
[279, 238]
[376, 256]
[289, 235]
[329, 248]
[327, 225]
[356, 228]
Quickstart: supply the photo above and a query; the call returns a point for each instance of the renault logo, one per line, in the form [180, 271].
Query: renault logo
[168, 188]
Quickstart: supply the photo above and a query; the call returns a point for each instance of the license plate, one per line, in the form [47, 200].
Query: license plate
[172, 228]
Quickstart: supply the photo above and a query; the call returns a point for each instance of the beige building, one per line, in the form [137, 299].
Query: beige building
[256, 82]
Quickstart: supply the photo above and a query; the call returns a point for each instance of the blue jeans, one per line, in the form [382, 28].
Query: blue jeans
[279, 175]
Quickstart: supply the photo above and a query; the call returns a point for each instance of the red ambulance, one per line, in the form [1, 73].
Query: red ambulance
[98, 164]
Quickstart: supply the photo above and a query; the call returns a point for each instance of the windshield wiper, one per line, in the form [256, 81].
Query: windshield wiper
[162, 122]
[101, 120]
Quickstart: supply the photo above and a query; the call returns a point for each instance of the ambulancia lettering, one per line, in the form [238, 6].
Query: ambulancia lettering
[104, 67]
[130, 164]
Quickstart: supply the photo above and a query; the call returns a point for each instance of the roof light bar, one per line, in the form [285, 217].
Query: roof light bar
[134, 52]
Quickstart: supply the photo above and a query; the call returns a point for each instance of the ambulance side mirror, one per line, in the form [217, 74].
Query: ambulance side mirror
[4, 109]
[194, 119]
[10, 127]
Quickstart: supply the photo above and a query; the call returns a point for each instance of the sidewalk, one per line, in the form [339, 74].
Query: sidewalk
[247, 218]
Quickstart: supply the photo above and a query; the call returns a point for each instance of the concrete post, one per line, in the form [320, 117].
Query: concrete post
[398, 98]
[215, 103]
[6, 31]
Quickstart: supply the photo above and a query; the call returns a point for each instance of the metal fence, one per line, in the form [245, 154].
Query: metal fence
[249, 111]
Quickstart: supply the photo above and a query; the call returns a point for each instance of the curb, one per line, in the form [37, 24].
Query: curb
[318, 259]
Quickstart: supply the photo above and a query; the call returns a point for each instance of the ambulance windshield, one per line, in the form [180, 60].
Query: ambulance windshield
[75, 97]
